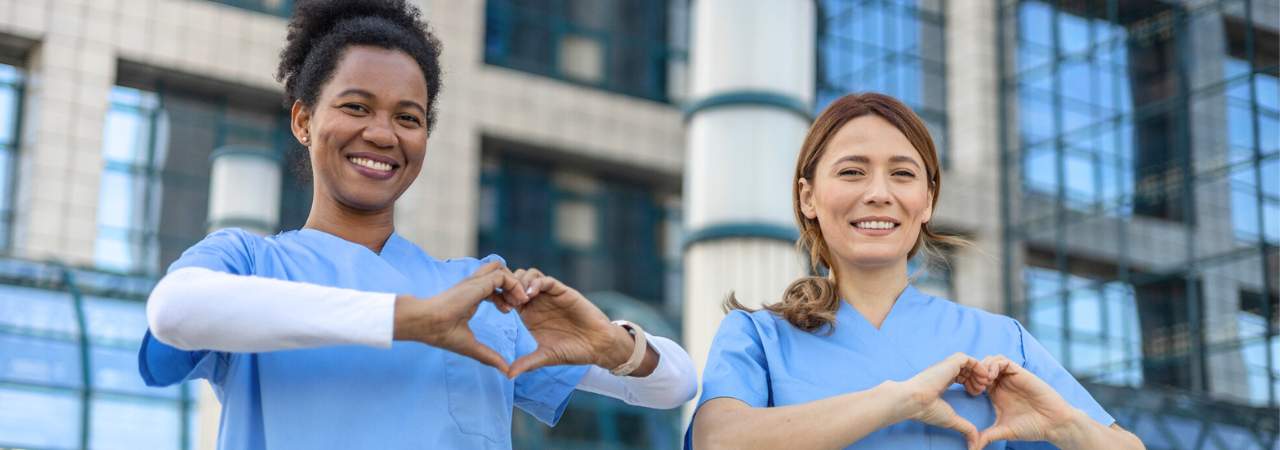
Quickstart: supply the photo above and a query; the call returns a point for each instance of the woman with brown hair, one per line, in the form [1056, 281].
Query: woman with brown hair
[860, 359]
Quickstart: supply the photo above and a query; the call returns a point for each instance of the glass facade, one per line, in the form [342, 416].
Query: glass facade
[1142, 206]
[617, 45]
[604, 235]
[69, 342]
[893, 47]
[154, 191]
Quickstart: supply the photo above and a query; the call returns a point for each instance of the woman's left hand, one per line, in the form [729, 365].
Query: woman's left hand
[569, 329]
[1027, 408]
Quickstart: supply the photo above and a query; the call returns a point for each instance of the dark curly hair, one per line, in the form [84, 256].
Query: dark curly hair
[322, 29]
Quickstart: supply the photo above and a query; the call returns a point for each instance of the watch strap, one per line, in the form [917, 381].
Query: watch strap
[637, 355]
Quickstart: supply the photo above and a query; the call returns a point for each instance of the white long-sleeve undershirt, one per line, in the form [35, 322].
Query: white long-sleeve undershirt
[200, 309]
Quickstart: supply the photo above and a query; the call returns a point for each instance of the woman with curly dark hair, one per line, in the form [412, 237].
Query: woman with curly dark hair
[345, 335]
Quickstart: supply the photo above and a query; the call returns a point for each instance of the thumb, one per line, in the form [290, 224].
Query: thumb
[538, 359]
[480, 352]
[956, 422]
[997, 432]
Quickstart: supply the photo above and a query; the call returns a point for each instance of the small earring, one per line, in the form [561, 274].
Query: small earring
[305, 139]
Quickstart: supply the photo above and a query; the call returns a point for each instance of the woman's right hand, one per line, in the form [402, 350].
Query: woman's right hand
[442, 320]
[927, 387]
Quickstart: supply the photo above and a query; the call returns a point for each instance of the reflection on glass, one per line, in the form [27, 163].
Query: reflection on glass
[885, 46]
[128, 182]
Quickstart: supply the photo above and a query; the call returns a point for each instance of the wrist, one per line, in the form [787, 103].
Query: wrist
[1071, 434]
[408, 317]
[905, 405]
[622, 344]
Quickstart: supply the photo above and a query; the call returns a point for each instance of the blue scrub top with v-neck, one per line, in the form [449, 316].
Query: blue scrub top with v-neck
[410, 396]
[762, 360]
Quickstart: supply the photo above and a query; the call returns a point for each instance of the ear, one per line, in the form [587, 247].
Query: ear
[300, 122]
[927, 215]
[806, 199]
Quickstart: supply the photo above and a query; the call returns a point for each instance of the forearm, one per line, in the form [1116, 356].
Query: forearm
[1085, 433]
[830, 423]
[669, 383]
[200, 309]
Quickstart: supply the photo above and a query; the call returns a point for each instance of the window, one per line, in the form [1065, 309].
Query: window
[604, 234]
[1145, 188]
[10, 114]
[1252, 328]
[618, 45]
[594, 232]
[1088, 324]
[46, 389]
[893, 47]
[133, 152]
[154, 191]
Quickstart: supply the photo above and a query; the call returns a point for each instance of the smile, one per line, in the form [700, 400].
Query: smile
[875, 225]
[366, 162]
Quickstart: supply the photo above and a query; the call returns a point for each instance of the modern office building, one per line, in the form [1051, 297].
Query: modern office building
[1116, 164]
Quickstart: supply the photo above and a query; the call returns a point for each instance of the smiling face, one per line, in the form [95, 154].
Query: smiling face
[367, 131]
[869, 194]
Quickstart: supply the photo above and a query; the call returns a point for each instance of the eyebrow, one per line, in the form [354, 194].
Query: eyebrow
[367, 94]
[864, 160]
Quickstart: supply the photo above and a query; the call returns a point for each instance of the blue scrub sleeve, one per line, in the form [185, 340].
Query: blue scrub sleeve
[545, 392]
[1040, 362]
[736, 367]
[160, 364]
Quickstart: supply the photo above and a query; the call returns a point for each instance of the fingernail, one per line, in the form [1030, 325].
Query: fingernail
[529, 291]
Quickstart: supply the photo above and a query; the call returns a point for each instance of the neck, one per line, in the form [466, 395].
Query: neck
[368, 228]
[872, 290]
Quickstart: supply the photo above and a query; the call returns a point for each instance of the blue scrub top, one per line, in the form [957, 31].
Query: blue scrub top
[409, 396]
[763, 360]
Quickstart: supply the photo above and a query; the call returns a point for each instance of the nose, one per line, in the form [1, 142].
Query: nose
[878, 191]
[380, 133]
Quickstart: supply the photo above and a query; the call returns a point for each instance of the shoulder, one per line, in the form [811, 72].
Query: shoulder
[227, 250]
[761, 325]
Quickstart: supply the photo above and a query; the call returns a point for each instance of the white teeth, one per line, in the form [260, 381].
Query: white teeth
[875, 225]
[375, 165]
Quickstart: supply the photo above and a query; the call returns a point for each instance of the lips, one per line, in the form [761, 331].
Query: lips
[876, 225]
[373, 165]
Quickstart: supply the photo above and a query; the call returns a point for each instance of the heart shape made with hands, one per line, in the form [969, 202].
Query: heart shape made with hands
[569, 329]
[1027, 408]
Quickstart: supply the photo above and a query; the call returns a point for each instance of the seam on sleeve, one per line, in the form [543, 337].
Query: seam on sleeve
[1022, 341]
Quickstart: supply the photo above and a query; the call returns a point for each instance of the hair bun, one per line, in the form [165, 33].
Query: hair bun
[313, 20]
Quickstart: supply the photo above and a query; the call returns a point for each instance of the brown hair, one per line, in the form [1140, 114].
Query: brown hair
[811, 302]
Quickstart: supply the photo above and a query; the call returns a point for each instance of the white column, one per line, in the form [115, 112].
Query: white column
[244, 189]
[751, 96]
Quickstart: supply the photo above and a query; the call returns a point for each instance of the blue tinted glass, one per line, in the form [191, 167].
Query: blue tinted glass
[1034, 23]
[47, 418]
[37, 311]
[116, 370]
[9, 112]
[128, 424]
[115, 322]
[40, 361]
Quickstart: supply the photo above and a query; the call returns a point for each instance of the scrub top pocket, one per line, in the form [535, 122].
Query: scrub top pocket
[480, 397]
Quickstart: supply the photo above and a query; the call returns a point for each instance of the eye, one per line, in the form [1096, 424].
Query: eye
[904, 174]
[849, 172]
[411, 118]
[355, 107]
